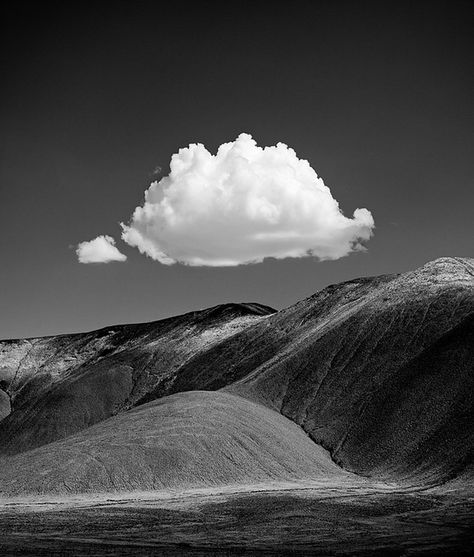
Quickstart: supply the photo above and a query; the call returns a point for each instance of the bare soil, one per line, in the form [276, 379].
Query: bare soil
[316, 519]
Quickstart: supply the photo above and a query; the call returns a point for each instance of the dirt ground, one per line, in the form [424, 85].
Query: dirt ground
[325, 519]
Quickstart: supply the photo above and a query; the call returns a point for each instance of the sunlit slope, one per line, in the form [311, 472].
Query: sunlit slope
[59, 385]
[193, 439]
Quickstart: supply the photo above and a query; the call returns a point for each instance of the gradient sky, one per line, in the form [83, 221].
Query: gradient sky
[377, 96]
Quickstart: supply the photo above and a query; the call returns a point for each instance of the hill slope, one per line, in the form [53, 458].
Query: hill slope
[59, 385]
[419, 424]
[386, 383]
[194, 439]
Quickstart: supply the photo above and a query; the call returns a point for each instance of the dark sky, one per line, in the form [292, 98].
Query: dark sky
[378, 96]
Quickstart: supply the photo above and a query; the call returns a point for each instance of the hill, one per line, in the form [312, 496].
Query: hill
[195, 439]
[53, 387]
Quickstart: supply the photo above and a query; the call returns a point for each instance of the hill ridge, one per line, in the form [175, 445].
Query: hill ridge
[326, 363]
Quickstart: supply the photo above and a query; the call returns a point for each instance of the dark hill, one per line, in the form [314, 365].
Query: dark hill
[332, 362]
[386, 383]
[421, 419]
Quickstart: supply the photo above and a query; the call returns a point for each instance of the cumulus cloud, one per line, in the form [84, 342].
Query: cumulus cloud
[240, 206]
[99, 250]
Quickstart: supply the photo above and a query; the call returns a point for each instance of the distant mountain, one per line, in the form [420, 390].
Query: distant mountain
[379, 371]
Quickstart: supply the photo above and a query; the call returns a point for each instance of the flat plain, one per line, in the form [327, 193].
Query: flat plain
[318, 518]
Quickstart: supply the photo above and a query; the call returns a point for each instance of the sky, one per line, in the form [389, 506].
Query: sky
[97, 97]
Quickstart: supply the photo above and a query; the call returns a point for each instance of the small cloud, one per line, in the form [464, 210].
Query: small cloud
[100, 250]
[242, 205]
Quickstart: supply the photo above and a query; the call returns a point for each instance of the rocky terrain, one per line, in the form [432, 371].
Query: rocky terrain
[53, 387]
[366, 387]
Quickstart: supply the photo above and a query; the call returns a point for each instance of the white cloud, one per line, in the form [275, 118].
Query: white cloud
[240, 206]
[100, 250]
